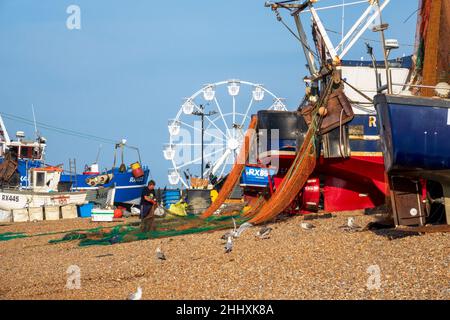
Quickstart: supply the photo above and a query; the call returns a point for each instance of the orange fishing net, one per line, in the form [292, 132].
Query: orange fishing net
[235, 173]
[292, 183]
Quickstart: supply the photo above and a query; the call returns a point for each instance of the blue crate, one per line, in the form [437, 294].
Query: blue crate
[84, 211]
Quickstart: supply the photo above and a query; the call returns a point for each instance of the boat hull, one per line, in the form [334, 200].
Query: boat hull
[354, 182]
[102, 197]
[128, 188]
[20, 199]
[415, 133]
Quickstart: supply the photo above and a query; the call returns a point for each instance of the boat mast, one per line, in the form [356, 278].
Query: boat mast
[3, 131]
[34, 121]
[381, 28]
[436, 41]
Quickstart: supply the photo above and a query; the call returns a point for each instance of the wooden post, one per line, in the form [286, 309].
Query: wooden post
[437, 46]
[446, 188]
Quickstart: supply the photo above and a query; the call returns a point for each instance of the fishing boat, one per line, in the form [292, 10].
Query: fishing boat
[20, 155]
[43, 192]
[415, 125]
[349, 172]
[27, 153]
[128, 181]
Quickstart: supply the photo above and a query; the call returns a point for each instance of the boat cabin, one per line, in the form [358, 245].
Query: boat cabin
[45, 179]
[28, 150]
[21, 148]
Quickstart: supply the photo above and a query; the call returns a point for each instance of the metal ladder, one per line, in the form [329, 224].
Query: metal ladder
[73, 172]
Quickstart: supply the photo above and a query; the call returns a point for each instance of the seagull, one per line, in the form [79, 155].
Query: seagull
[227, 235]
[351, 223]
[137, 295]
[159, 254]
[307, 226]
[229, 245]
[235, 233]
[234, 228]
[264, 233]
[242, 228]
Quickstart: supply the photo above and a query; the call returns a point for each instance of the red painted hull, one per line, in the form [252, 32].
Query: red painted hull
[355, 183]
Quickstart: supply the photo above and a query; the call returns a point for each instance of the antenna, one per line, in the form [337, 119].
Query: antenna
[98, 153]
[34, 120]
[343, 21]
[3, 131]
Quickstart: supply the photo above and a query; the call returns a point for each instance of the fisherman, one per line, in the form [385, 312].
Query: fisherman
[148, 206]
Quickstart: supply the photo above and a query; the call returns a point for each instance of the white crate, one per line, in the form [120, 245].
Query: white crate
[20, 215]
[69, 212]
[100, 215]
[36, 214]
[52, 213]
[5, 216]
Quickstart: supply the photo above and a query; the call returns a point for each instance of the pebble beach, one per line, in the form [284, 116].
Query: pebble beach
[293, 263]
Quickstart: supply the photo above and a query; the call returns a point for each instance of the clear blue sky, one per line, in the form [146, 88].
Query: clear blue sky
[125, 72]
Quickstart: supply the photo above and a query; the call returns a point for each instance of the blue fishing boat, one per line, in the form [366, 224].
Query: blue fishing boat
[416, 132]
[415, 135]
[28, 154]
[128, 180]
[415, 126]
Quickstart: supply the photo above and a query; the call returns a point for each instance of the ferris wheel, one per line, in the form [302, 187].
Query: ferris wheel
[207, 132]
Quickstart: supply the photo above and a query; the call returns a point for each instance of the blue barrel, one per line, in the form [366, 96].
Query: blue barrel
[171, 196]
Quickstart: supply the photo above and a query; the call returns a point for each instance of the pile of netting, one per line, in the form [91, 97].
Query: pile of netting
[167, 226]
[164, 227]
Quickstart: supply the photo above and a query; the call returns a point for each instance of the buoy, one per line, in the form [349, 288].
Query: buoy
[118, 213]
[323, 111]
[136, 170]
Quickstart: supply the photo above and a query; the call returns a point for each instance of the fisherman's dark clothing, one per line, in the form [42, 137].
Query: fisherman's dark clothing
[148, 209]
[147, 206]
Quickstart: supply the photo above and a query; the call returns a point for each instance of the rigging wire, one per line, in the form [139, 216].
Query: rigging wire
[57, 129]
[367, 39]
[306, 45]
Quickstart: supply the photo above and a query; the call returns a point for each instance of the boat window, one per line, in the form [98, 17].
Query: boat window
[26, 152]
[36, 153]
[40, 179]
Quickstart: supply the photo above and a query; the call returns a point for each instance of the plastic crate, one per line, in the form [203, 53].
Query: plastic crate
[84, 211]
[101, 215]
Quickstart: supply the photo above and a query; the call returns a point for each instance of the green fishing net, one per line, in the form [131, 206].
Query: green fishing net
[228, 216]
[12, 235]
[164, 227]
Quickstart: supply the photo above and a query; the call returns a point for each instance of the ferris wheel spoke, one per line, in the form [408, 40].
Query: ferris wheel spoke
[211, 122]
[199, 159]
[234, 111]
[200, 130]
[223, 170]
[246, 112]
[199, 144]
[221, 113]
[221, 161]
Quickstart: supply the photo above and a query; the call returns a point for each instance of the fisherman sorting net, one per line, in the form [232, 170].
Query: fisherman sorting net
[148, 206]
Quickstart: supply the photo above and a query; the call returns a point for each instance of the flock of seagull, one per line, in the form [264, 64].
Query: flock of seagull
[263, 233]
